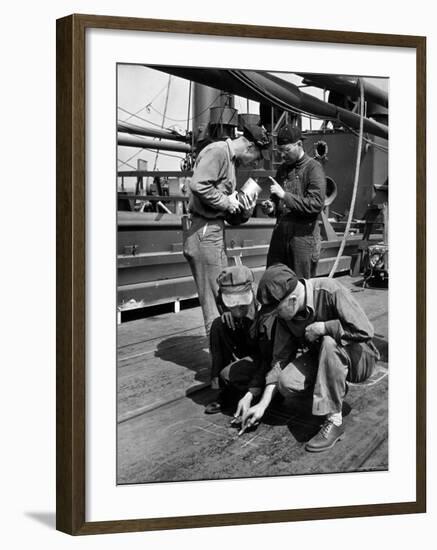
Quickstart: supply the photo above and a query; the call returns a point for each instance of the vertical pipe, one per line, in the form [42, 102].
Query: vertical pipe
[204, 98]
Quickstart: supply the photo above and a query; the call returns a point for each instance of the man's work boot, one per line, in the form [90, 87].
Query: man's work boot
[220, 404]
[213, 407]
[326, 438]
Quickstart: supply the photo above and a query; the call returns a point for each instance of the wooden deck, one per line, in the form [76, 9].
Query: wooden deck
[164, 435]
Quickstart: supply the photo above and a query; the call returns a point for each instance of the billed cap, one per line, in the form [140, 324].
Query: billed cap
[289, 134]
[277, 282]
[235, 284]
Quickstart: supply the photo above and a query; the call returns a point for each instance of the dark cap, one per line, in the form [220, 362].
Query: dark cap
[289, 134]
[277, 282]
[235, 284]
[259, 136]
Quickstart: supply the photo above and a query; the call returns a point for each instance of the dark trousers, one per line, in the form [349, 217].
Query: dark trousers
[232, 356]
[296, 245]
[204, 249]
[325, 370]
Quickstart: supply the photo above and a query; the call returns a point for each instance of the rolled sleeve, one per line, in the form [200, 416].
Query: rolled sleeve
[334, 329]
[273, 375]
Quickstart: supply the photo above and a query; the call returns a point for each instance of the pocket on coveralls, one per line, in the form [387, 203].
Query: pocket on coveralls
[212, 244]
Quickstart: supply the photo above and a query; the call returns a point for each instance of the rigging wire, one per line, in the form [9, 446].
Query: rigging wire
[143, 119]
[134, 155]
[191, 118]
[369, 141]
[163, 117]
[151, 149]
[148, 104]
[127, 164]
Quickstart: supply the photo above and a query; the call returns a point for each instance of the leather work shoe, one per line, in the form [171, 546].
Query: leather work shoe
[213, 407]
[326, 438]
[222, 402]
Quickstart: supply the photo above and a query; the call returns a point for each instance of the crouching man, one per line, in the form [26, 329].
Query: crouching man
[323, 338]
[240, 345]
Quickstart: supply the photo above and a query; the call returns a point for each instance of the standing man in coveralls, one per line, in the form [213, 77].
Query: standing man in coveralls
[212, 198]
[297, 199]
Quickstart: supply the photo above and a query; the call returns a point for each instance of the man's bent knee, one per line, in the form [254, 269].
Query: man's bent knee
[288, 384]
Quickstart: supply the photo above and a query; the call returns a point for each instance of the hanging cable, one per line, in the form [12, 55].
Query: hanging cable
[163, 117]
[183, 119]
[127, 164]
[355, 187]
[148, 104]
[141, 118]
[189, 107]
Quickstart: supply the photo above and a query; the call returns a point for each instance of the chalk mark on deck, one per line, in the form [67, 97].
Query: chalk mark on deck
[225, 430]
[379, 369]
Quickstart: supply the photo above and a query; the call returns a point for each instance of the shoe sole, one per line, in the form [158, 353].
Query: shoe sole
[321, 450]
[213, 412]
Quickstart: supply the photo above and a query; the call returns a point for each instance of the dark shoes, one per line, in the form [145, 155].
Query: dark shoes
[213, 407]
[223, 401]
[326, 438]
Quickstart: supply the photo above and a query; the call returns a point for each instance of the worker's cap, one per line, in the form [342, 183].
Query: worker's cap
[259, 136]
[289, 134]
[277, 282]
[235, 285]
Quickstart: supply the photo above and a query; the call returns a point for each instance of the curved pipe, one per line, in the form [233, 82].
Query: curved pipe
[136, 141]
[346, 85]
[267, 88]
[147, 131]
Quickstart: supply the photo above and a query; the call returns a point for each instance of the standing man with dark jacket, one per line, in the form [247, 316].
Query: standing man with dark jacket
[298, 196]
[212, 197]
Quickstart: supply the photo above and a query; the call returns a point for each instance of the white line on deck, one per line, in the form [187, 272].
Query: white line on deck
[223, 428]
[206, 430]
[250, 442]
[376, 381]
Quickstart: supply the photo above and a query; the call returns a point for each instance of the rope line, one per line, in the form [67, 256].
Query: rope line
[355, 188]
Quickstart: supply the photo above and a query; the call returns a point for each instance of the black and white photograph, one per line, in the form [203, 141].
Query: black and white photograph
[252, 273]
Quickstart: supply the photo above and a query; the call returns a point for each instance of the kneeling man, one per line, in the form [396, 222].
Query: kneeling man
[323, 338]
[240, 343]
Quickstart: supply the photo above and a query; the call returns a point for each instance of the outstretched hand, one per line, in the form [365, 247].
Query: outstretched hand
[276, 189]
[252, 417]
[243, 406]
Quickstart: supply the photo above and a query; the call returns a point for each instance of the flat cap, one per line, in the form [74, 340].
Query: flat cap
[289, 134]
[259, 136]
[277, 282]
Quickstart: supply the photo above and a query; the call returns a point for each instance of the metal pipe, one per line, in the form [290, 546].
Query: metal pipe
[268, 88]
[348, 86]
[136, 141]
[148, 131]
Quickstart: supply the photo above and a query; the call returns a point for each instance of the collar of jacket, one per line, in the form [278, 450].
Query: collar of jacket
[299, 163]
[231, 148]
[309, 295]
